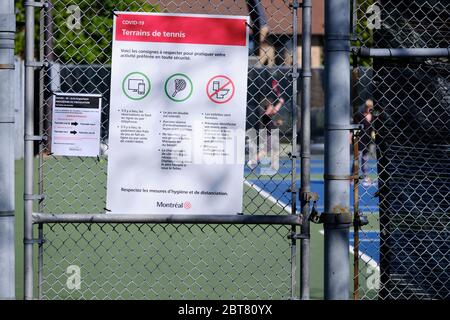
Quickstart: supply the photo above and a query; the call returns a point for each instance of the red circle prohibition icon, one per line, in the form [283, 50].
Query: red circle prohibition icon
[220, 89]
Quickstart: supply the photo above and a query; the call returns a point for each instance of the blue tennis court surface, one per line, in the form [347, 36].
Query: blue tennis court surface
[369, 245]
[317, 167]
[279, 190]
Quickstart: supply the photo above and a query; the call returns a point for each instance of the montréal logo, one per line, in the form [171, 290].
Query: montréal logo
[187, 205]
[177, 205]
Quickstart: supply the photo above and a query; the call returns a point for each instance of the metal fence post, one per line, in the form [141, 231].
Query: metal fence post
[7, 30]
[305, 146]
[337, 217]
[295, 6]
[29, 144]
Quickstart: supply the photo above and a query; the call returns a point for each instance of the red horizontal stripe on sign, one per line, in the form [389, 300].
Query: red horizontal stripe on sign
[180, 29]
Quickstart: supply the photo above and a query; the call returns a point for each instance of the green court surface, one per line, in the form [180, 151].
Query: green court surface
[162, 261]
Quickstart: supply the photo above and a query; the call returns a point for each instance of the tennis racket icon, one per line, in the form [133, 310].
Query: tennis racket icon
[180, 85]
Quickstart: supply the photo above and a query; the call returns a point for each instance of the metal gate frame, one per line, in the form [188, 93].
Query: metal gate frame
[33, 218]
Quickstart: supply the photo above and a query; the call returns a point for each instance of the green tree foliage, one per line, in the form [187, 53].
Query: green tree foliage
[91, 41]
[364, 35]
[20, 29]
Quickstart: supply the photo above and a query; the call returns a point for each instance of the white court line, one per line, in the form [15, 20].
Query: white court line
[267, 196]
[364, 257]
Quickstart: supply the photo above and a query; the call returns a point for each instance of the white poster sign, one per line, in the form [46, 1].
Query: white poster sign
[76, 121]
[178, 113]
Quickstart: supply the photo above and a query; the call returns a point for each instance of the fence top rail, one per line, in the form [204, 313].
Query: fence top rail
[39, 218]
[404, 52]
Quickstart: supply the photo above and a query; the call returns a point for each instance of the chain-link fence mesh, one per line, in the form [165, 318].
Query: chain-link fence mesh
[402, 252]
[161, 260]
[402, 23]
[404, 107]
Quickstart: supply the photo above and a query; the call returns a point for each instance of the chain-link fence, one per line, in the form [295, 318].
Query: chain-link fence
[400, 97]
[402, 101]
[162, 260]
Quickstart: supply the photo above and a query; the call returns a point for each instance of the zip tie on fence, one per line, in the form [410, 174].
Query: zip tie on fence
[292, 156]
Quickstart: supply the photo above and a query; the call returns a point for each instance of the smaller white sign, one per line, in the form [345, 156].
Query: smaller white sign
[76, 120]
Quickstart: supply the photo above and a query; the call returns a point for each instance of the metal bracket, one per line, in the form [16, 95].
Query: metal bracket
[34, 197]
[7, 214]
[336, 218]
[351, 127]
[341, 177]
[309, 196]
[36, 4]
[303, 5]
[5, 44]
[294, 75]
[297, 236]
[361, 220]
[355, 50]
[34, 241]
[35, 138]
[314, 217]
[291, 191]
[36, 64]
[294, 5]
[306, 74]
